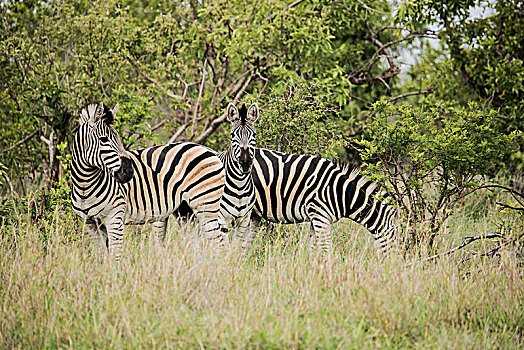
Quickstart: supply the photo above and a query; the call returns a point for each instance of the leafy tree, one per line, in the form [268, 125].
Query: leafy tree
[480, 58]
[174, 66]
[300, 121]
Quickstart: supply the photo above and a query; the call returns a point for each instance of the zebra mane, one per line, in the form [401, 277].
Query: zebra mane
[89, 113]
[108, 116]
[95, 112]
[243, 114]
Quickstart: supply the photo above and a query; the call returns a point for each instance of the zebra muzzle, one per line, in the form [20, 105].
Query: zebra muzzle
[245, 160]
[126, 171]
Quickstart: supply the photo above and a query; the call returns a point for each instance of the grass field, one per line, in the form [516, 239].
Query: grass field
[56, 291]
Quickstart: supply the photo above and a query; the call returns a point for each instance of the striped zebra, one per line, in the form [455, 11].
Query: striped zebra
[294, 188]
[111, 186]
[239, 192]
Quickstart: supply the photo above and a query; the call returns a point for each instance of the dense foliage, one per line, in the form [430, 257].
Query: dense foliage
[172, 66]
[430, 159]
[316, 68]
[479, 56]
[301, 121]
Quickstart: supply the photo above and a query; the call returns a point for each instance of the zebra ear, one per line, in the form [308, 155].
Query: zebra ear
[114, 110]
[252, 113]
[232, 113]
[95, 117]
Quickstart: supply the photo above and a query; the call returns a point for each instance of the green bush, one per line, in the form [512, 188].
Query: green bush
[430, 159]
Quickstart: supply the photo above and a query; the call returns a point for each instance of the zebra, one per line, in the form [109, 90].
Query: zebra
[239, 192]
[294, 188]
[111, 186]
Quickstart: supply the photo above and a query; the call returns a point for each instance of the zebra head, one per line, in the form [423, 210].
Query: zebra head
[100, 144]
[243, 133]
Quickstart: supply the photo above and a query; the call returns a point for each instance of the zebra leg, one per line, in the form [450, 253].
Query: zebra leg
[254, 224]
[159, 231]
[211, 226]
[312, 238]
[243, 233]
[115, 233]
[323, 240]
[91, 228]
[103, 234]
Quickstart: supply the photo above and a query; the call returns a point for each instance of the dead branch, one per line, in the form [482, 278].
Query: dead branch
[200, 91]
[370, 8]
[511, 190]
[153, 128]
[363, 76]
[139, 71]
[465, 242]
[407, 94]
[25, 139]
[178, 133]
[507, 206]
[212, 126]
[360, 99]
[11, 187]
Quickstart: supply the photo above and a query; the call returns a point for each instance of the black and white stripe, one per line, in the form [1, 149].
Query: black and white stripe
[111, 186]
[239, 192]
[294, 188]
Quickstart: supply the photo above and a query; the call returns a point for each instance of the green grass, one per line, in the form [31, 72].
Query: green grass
[56, 291]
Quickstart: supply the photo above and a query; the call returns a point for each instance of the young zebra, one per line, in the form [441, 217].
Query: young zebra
[111, 186]
[294, 188]
[239, 193]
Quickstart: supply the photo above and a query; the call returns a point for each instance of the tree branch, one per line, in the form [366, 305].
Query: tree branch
[200, 91]
[167, 93]
[270, 17]
[465, 242]
[407, 94]
[25, 139]
[178, 133]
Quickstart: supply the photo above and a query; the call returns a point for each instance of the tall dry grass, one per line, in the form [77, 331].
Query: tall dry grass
[56, 291]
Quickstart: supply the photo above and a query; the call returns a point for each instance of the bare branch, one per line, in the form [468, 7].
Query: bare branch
[10, 183]
[167, 93]
[407, 94]
[465, 242]
[178, 133]
[512, 191]
[216, 123]
[363, 76]
[507, 206]
[25, 139]
[371, 9]
[198, 99]
[377, 34]
[360, 99]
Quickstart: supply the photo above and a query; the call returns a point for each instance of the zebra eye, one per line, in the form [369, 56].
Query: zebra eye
[104, 139]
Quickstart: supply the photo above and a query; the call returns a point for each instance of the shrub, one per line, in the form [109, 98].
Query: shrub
[430, 159]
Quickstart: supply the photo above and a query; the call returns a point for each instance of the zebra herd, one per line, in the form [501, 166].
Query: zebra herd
[243, 185]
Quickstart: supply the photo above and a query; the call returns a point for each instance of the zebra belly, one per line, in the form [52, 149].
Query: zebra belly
[93, 207]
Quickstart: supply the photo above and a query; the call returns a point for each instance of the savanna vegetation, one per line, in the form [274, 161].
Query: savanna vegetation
[426, 96]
